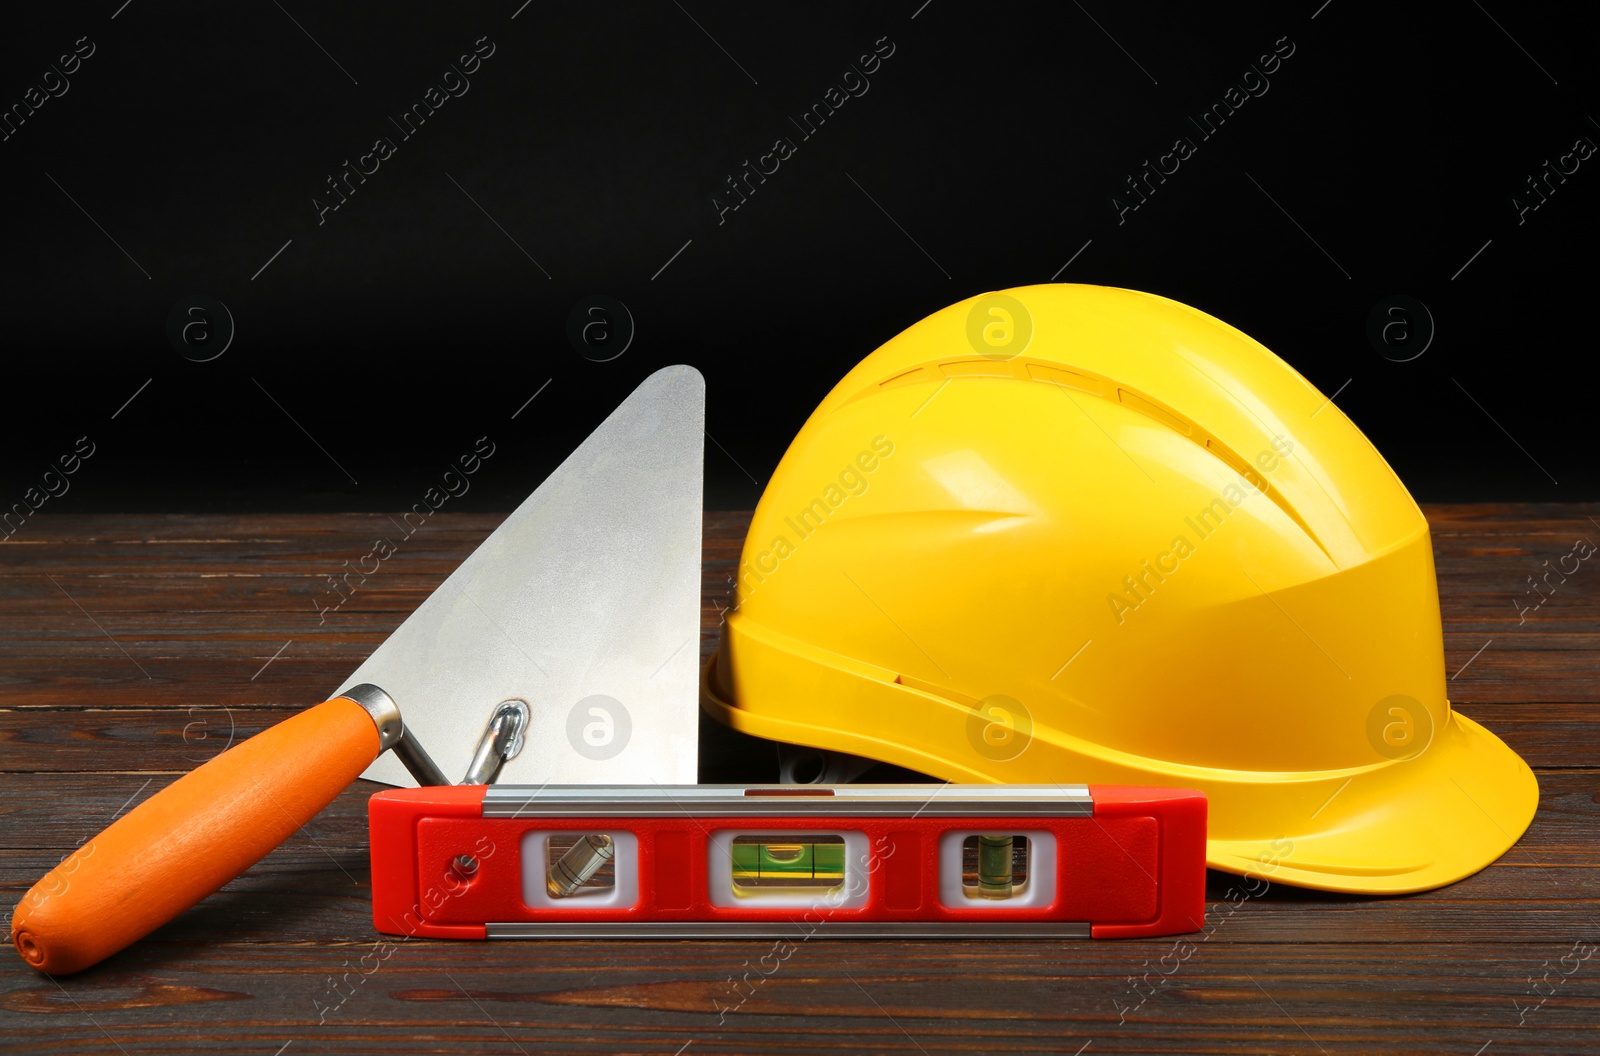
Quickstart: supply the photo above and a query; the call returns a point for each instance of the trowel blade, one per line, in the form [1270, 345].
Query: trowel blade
[585, 603]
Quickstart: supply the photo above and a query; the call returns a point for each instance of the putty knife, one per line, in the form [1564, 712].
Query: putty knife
[563, 650]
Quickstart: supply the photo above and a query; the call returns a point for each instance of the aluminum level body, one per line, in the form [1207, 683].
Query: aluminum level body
[692, 861]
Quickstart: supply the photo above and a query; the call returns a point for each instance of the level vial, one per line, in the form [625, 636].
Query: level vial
[994, 866]
[582, 860]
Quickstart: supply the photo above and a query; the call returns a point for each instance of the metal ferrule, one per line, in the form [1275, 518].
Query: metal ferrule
[392, 733]
[384, 711]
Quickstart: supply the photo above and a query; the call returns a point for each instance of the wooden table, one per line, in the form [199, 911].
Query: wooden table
[133, 648]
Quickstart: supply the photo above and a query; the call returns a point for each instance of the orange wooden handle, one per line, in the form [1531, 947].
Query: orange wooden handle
[192, 837]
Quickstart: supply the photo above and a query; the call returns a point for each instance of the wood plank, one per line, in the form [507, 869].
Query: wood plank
[169, 726]
[820, 997]
[199, 604]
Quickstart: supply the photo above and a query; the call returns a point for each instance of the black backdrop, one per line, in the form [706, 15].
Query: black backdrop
[193, 142]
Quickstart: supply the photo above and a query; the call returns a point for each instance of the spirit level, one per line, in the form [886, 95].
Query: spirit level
[686, 861]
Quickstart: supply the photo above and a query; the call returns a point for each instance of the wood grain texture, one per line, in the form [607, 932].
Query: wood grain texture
[133, 648]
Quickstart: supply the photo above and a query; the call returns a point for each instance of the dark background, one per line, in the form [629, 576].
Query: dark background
[410, 323]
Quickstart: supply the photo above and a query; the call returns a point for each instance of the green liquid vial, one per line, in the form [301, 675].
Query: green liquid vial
[994, 866]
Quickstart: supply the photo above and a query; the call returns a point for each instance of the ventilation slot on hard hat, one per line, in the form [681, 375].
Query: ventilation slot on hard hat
[942, 692]
[977, 368]
[909, 377]
[1156, 411]
[1067, 378]
[1022, 368]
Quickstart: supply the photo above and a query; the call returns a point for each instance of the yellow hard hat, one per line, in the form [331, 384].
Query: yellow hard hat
[1072, 533]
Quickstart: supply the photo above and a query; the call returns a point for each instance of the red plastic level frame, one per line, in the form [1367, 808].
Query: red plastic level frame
[679, 861]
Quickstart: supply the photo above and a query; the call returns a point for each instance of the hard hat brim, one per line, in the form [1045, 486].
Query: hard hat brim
[1390, 828]
[1411, 825]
